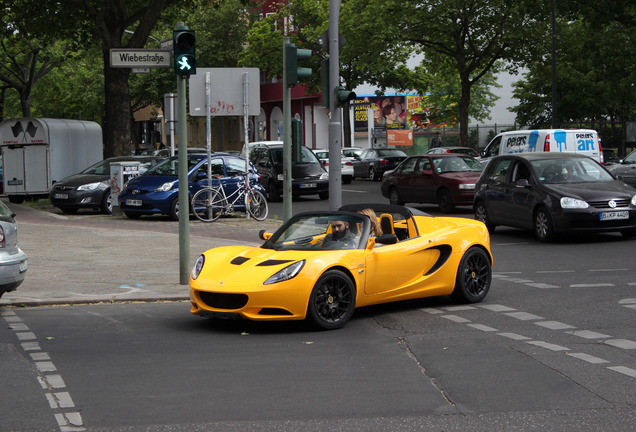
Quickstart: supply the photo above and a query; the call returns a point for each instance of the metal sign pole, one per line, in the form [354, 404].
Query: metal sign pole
[246, 87]
[208, 127]
[184, 204]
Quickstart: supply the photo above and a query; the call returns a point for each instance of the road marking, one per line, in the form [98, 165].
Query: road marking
[554, 325]
[592, 285]
[482, 327]
[547, 345]
[608, 270]
[621, 343]
[456, 318]
[588, 334]
[624, 370]
[58, 400]
[498, 308]
[459, 308]
[588, 358]
[542, 285]
[514, 336]
[555, 271]
[523, 316]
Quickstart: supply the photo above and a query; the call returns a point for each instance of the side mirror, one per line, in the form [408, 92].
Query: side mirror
[264, 235]
[427, 173]
[522, 183]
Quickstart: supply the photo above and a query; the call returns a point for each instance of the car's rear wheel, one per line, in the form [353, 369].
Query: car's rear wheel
[373, 174]
[132, 215]
[394, 197]
[445, 201]
[481, 214]
[347, 179]
[543, 227]
[332, 300]
[628, 233]
[323, 195]
[473, 276]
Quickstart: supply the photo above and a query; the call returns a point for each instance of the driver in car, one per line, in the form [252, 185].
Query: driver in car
[340, 236]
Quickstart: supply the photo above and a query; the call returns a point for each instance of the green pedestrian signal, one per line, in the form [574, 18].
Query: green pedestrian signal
[184, 48]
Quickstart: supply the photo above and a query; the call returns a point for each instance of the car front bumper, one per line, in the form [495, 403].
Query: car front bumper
[13, 268]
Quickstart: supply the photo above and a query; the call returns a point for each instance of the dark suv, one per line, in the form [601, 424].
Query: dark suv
[308, 175]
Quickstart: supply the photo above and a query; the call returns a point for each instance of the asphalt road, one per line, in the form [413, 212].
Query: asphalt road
[552, 347]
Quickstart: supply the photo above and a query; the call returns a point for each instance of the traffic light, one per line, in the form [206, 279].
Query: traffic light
[343, 96]
[184, 46]
[292, 72]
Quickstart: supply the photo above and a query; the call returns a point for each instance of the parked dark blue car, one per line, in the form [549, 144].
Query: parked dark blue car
[157, 190]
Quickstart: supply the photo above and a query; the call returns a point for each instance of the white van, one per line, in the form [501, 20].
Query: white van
[584, 141]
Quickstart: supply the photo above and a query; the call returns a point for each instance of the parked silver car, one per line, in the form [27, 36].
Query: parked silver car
[13, 261]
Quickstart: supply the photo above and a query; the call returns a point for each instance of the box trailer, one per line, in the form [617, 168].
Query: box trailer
[37, 152]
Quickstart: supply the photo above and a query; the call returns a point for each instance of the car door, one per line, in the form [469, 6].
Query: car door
[404, 177]
[421, 182]
[199, 178]
[397, 267]
[519, 196]
[361, 166]
[493, 189]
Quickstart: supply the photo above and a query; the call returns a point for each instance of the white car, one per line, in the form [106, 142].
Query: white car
[13, 262]
[346, 163]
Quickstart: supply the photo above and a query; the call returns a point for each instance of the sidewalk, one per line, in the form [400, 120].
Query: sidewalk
[101, 258]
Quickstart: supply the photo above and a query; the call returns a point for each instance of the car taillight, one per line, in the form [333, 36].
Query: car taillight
[349, 163]
[546, 143]
[325, 163]
[600, 149]
[448, 151]
[384, 162]
[2, 244]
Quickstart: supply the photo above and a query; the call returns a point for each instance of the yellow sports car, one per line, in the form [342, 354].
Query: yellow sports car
[322, 265]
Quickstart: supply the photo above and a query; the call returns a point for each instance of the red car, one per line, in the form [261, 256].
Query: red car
[445, 179]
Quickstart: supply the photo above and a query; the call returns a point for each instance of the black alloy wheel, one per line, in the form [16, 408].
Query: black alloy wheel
[473, 276]
[332, 300]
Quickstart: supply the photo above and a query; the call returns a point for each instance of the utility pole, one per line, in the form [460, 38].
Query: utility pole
[335, 127]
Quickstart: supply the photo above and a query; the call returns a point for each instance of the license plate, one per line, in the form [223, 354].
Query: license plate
[14, 182]
[307, 185]
[614, 215]
[23, 266]
[60, 196]
[133, 202]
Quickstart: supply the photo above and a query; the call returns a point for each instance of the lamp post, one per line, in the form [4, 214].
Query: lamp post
[555, 120]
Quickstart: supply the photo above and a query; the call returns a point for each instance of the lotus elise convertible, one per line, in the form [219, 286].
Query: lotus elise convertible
[320, 266]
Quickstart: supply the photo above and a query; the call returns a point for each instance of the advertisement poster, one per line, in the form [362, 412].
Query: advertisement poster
[399, 112]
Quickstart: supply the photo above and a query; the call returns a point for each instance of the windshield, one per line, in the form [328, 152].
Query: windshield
[306, 156]
[563, 171]
[323, 231]
[631, 158]
[170, 167]
[100, 168]
[457, 164]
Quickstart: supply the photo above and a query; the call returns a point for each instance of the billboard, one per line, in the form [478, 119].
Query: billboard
[399, 112]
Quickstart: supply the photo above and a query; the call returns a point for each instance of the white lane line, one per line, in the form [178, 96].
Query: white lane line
[588, 358]
[523, 316]
[432, 311]
[482, 327]
[23, 336]
[547, 345]
[627, 301]
[459, 308]
[514, 336]
[60, 400]
[621, 343]
[608, 270]
[555, 271]
[456, 319]
[624, 370]
[588, 334]
[40, 356]
[592, 285]
[497, 308]
[542, 285]
[554, 325]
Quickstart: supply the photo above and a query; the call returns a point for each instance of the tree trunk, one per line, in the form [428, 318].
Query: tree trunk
[117, 96]
[464, 105]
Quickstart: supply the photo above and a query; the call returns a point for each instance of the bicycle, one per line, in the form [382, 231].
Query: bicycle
[210, 202]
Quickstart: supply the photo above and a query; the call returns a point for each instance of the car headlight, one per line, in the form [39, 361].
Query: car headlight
[93, 186]
[280, 177]
[467, 186]
[165, 187]
[634, 200]
[324, 176]
[198, 266]
[573, 203]
[287, 273]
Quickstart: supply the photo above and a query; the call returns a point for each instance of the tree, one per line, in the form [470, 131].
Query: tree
[474, 34]
[25, 58]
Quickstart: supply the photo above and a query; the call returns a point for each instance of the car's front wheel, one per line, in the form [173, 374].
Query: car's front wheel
[473, 276]
[445, 201]
[373, 174]
[174, 210]
[543, 227]
[107, 203]
[332, 300]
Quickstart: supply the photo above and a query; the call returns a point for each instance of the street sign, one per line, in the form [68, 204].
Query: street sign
[226, 92]
[140, 58]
